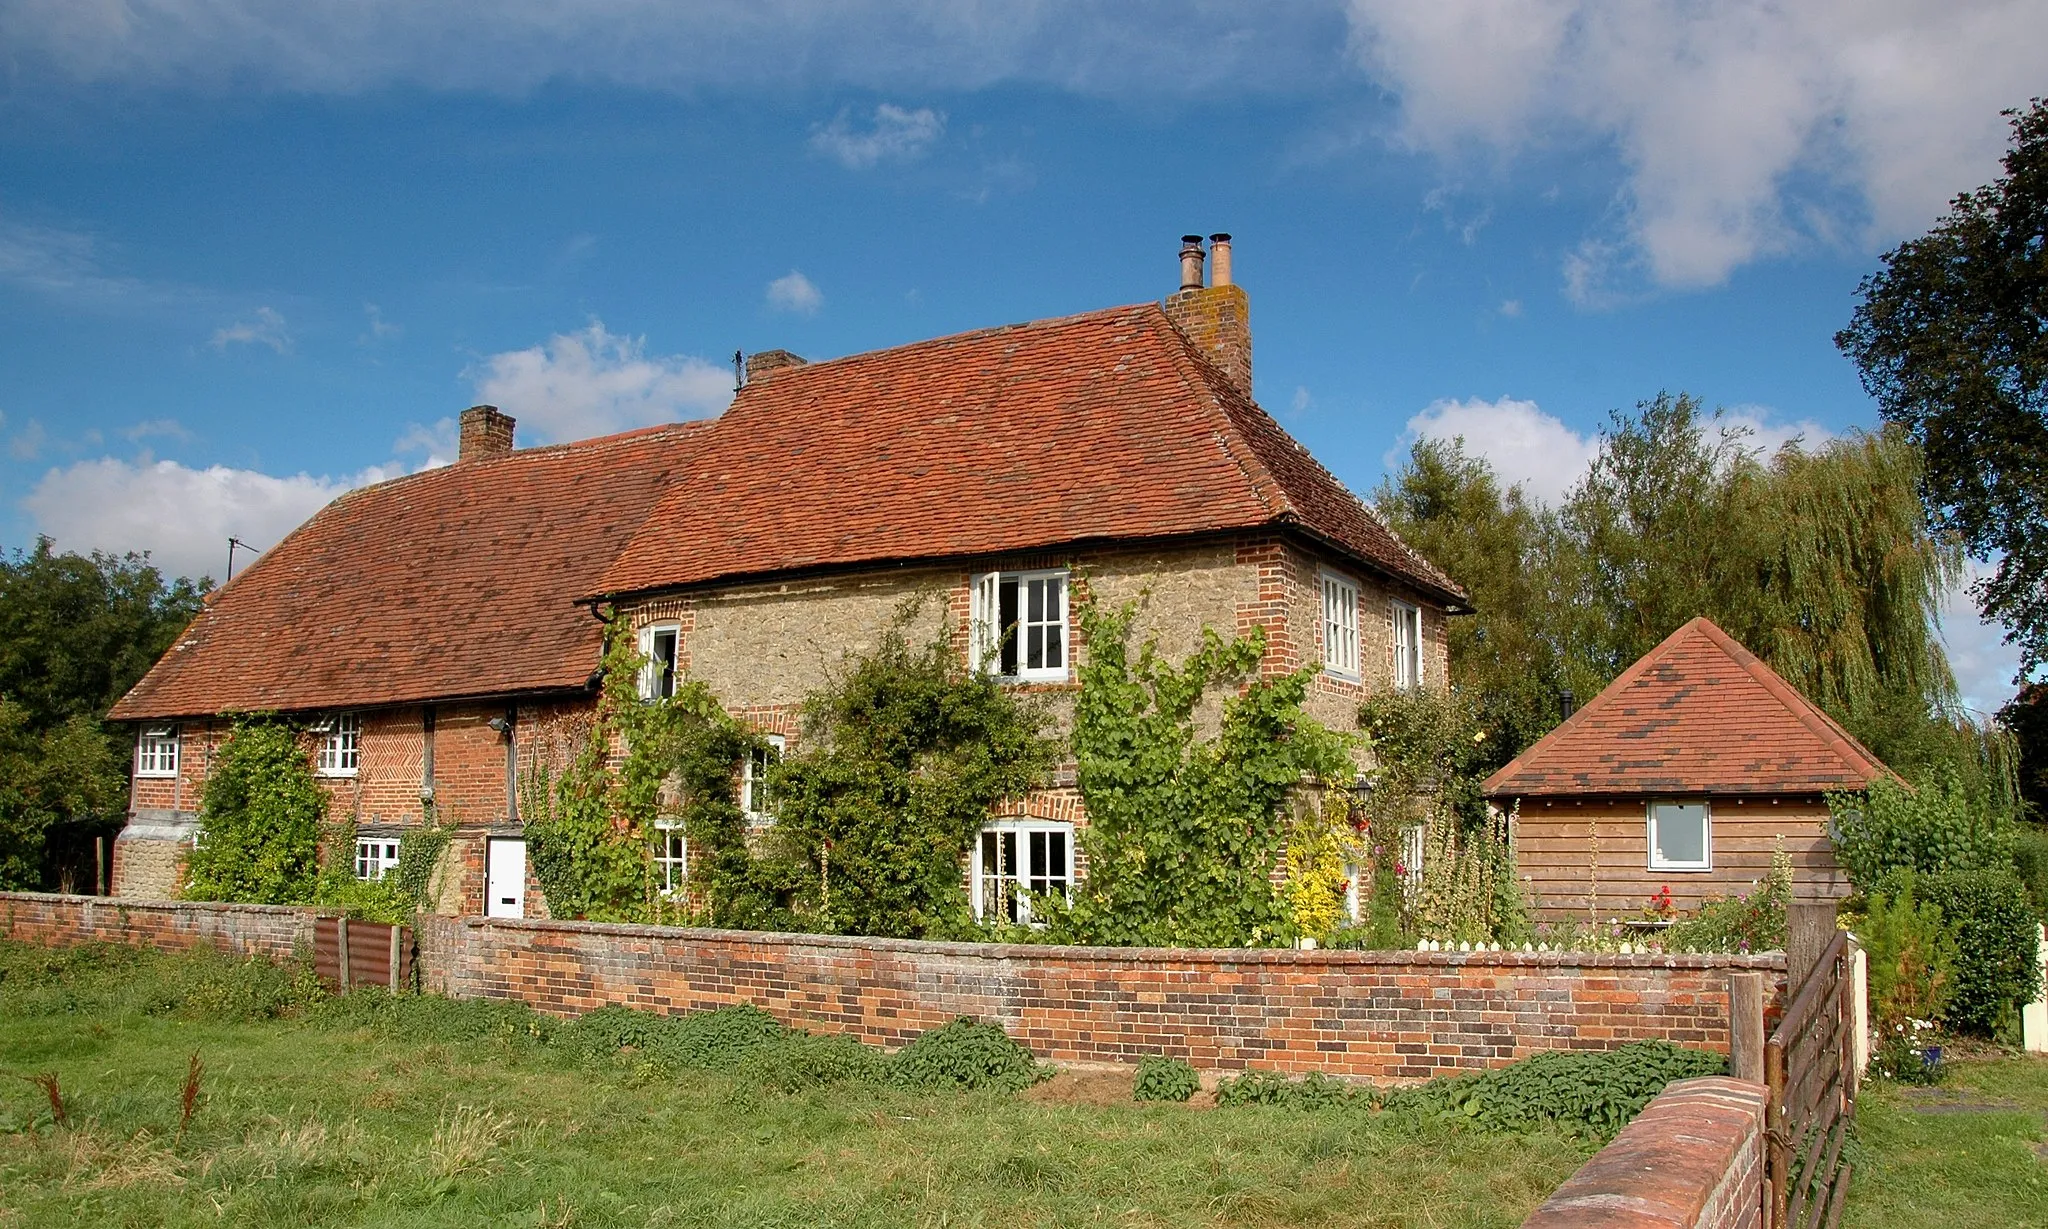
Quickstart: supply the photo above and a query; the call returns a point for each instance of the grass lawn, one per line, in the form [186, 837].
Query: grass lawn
[370, 1111]
[1967, 1153]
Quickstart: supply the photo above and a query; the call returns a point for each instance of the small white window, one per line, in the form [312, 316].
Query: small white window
[1681, 837]
[1340, 625]
[671, 856]
[1407, 646]
[1414, 840]
[660, 646]
[376, 857]
[1012, 859]
[755, 797]
[156, 751]
[341, 745]
[1018, 623]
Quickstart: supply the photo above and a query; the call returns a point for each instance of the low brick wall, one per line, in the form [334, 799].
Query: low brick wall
[1693, 1159]
[1382, 1015]
[270, 931]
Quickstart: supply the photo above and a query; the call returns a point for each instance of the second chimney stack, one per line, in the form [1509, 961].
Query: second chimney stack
[485, 433]
[1216, 318]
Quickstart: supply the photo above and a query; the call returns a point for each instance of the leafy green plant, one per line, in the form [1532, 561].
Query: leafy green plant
[1740, 924]
[1314, 1091]
[805, 1060]
[1184, 834]
[259, 819]
[1930, 829]
[967, 1054]
[1593, 1093]
[2030, 863]
[1911, 955]
[1994, 927]
[1164, 1079]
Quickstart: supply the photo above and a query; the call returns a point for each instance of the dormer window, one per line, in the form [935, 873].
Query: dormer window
[660, 649]
[341, 745]
[1018, 624]
[156, 751]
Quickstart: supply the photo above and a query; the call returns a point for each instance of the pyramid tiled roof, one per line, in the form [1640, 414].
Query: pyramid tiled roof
[1698, 714]
[1103, 426]
[451, 583]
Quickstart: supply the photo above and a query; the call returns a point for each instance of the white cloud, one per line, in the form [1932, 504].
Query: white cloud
[896, 134]
[1763, 431]
[794, 292]
[1984, 664]
[594, 382]
[267, 328]
[1526, 447]
[27, 443]
[379, 329]
[1746, 128]
[1511, 308]
[150, 427]
[182, 516]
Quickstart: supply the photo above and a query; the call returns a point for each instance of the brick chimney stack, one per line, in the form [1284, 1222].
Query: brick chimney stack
[485, 433]
[1216, 317]
[767, 362]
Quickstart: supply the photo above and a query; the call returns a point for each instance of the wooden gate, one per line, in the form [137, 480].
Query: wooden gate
[349, 953]
[1810, 1066]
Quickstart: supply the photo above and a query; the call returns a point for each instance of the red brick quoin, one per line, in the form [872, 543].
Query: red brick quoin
[1379, 1015]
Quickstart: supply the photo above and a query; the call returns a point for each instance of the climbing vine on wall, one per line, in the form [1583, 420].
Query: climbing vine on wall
[259, 819]
[903, 754]
[1185, 832]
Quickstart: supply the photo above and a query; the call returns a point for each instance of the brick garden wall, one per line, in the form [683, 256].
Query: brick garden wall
[1382, 1015]
[271, 931]
[1693, 1159]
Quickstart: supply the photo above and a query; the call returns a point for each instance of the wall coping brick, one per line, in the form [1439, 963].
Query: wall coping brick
[1321, 957]
[1692, 1159]
[118, 904]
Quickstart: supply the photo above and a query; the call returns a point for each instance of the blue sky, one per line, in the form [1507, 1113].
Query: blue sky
[254, 253]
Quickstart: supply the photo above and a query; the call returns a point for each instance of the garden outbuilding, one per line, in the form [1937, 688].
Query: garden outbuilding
[1676, 784]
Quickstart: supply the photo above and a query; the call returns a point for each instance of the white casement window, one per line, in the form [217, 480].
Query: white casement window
[1018, 625]
[1014, 858]
[671, 856]
[341, 745]
[376, 857]
[1414, 840]
[156, 751]
[1681, 837]
[1340, 625]
[756, 799]
[660, 646]
[1407, 646]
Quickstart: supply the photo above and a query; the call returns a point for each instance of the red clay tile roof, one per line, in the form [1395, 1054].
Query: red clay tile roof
[455, 582]
[1101, 426]
[1699, 714]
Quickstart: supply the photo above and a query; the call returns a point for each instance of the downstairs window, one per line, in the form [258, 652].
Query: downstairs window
[1012, 859]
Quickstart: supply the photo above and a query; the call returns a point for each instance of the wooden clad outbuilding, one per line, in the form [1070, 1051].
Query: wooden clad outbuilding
[1681, 778]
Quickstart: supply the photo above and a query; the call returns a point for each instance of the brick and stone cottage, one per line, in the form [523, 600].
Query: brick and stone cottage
[433, 631]
[1682, 777]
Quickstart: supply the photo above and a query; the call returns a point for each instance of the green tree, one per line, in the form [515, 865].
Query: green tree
[1951, 338]
[259, 819]
[76, 631]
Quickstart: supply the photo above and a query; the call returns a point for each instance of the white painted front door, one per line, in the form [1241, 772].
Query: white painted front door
[505, 878]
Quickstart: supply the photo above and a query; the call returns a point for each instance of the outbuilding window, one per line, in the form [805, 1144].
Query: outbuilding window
[660, 647]
[1407, 646]
[156, 751]
[1018, 625]
[1681, 836]
[376, 857]
[1015, 858]
[341, 745]
[1340, 625]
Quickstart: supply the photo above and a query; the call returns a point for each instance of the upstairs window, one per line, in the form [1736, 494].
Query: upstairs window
[1018, 625]
[756, 799]
[1407, 646]
[341, 745]
[376, 857]
[660, 646]
[671, 856]
[1681, 837]
[1013, 859]
[1340, 625]
[156, 751]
